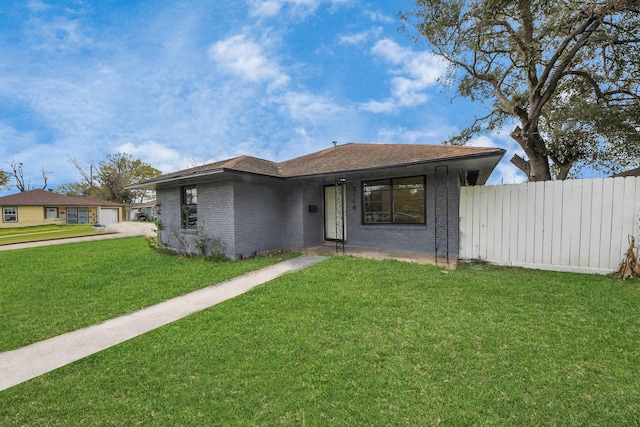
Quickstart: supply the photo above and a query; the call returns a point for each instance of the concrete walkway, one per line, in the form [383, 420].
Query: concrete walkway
[23, 364]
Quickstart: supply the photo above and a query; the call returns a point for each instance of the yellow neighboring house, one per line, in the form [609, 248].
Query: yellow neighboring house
[40, 207]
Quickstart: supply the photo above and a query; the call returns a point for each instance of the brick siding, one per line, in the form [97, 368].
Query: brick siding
[255, 215]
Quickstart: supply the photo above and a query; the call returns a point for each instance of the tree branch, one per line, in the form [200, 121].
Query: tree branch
[520, 163]
[588, 28]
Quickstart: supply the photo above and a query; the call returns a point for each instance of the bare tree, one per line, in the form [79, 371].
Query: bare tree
[18, 176]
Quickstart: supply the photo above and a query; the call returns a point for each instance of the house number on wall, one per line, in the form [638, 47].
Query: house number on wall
[354, 204]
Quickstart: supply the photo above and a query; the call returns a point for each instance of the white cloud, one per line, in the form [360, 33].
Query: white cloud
[505, 172]
[361, 37]
[429, 134]
[408, 91]
[483, 141]
[159, 156]
[385, 107]
[422, 67]
[308, 107]
[415, 72]
[247, 59]
[57, 30]
[264, 7]
[379, 16]
[37, 6]
[272, 8]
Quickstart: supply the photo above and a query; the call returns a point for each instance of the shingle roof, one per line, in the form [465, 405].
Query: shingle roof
[241, 164]
[631, 172]
[49, 198]
[354, 157]
[342, 158]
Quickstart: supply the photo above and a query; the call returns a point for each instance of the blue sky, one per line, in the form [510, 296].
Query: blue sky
[178, 83]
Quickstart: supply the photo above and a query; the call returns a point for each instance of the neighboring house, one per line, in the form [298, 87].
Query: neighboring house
[395, 197]
[140, 211]
[631, 172]
[40, 207]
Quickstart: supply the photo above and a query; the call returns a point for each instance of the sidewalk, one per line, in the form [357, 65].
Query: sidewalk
[18, 366]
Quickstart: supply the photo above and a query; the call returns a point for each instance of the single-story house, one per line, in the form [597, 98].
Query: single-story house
[394, 197]
[145, 211]
[40, 207]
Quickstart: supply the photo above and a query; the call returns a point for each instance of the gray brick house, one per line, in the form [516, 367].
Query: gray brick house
[395, 197]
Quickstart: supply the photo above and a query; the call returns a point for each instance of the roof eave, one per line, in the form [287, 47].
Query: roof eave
[498, 156]
[151, 185]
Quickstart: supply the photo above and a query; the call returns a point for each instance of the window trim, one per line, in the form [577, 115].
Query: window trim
[185, 208]
[391, 202]
[5, 214]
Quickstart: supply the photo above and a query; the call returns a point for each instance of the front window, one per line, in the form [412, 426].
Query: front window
[9, 214]
[394, 201]
[51, 213]
[83, 215]
[189, 207]
[72, 215]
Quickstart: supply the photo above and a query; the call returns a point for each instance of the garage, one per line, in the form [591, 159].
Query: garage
[108, 216]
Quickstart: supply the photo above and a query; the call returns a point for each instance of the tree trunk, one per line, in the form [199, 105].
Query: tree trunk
[562, 170]
[537, 166]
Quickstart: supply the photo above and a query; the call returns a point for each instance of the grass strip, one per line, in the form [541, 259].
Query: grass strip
[48, 232]
[362, 342]
[50, 290]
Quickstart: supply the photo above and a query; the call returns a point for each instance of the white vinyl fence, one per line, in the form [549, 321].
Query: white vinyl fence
[579, 225]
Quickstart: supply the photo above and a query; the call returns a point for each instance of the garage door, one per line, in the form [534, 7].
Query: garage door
[108, 216]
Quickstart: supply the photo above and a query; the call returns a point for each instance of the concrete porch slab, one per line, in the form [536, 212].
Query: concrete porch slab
[330, 248]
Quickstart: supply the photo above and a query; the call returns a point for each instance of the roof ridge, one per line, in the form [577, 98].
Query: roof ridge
[233, 161]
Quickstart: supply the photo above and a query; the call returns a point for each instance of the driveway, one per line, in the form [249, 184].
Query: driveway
[121, 229]
[131, 228]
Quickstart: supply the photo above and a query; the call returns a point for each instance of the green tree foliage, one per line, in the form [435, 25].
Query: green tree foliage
[567, 73]
[74, 189]
[119, 170]
[4, 180]
[110, 178]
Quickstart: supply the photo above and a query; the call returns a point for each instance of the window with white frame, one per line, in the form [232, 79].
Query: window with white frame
[9, 214]
[51, 213]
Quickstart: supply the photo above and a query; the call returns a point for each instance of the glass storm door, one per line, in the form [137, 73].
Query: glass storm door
[335, 213]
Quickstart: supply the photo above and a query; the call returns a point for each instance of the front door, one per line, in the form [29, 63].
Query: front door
[335, 213]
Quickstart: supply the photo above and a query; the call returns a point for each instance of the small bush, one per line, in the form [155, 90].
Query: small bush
[218, 251]
[153, 242]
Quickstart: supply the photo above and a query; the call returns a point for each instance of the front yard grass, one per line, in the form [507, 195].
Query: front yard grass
[45, 232]
[50, 290]
[361, 342]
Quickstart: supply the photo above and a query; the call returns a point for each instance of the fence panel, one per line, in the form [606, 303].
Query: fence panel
[573, 225]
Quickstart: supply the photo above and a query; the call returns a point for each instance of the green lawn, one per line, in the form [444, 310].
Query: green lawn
[362, 342]
[50, 290]
[45, 232]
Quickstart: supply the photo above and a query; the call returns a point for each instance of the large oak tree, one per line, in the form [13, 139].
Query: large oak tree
[566, 72]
